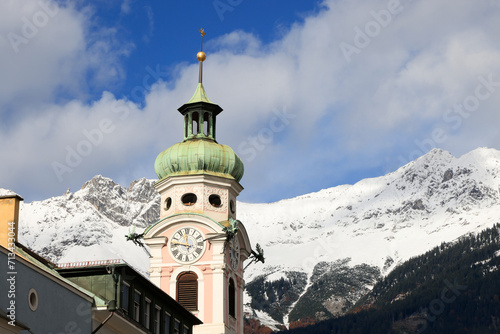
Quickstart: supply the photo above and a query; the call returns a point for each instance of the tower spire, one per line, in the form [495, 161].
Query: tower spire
[200, 94]
[201, 56]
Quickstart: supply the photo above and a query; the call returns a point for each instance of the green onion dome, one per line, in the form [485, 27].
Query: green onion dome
[199, 156]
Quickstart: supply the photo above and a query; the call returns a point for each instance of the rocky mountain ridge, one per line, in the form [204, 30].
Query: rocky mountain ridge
[91, 223]
[323, 250]
[378, 222]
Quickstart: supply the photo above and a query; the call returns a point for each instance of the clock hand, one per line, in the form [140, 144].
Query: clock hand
[180, 243]
[187, 242]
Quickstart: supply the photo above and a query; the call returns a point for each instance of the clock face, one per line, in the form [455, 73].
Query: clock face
[187, 244]
[234, 253]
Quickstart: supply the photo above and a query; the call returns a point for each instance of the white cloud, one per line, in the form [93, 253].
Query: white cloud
[38, 56]
[48, 49]
[373, 112]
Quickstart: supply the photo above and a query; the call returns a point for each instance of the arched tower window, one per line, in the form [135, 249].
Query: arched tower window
[232, 298]
[206, 125]
[187, 290]
[196, 125]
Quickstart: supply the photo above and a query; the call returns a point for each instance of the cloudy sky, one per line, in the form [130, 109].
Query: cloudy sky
[315, 93]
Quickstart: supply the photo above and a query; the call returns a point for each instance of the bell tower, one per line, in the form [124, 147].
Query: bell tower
[198, 247]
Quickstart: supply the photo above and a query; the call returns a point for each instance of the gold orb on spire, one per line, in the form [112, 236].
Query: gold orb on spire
[201, 56]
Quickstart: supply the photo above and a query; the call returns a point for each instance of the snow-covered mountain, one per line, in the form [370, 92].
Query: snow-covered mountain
[323, 250]
[91, 224]
[376, 222]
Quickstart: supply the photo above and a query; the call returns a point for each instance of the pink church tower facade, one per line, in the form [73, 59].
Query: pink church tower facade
[198, 247]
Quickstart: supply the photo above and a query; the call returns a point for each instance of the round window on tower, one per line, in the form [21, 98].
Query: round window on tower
[215, 201]
[189, 199]
[232, 206]
[168, 203]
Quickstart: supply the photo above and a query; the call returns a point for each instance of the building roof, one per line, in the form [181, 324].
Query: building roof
[199, 156]
[96, 268]
[5, 193]
[46, 268]
[200, 95]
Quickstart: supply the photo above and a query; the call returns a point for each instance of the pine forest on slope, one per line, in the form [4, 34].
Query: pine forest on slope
[453, 288]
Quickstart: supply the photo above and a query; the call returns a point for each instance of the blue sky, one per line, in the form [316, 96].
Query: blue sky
[166, 32]
[315, 93]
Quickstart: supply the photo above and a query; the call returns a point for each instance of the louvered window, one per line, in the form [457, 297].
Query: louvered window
[187, 290]
[232, 298]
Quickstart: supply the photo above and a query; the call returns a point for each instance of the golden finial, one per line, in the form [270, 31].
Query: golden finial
[201, 56]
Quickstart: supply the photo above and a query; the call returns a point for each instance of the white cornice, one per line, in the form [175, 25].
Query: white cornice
[199, 178]
[178, 219]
